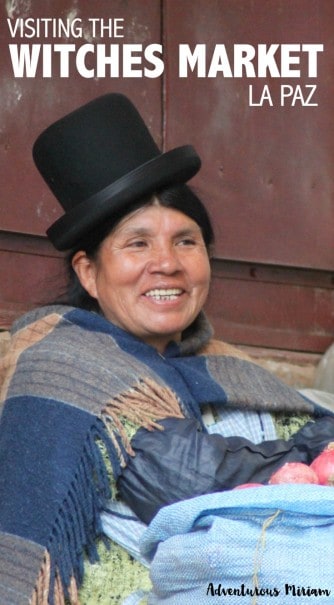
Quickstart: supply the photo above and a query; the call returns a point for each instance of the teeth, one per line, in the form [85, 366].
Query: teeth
[164, 294]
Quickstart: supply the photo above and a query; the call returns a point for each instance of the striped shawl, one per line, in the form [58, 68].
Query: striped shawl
[75, 389]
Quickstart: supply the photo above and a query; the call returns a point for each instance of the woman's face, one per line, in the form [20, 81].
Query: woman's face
[151, 276]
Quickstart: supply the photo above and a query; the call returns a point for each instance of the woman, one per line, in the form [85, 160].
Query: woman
[121, 395]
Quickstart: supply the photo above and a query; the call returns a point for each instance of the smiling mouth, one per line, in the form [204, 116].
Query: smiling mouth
[164, 293]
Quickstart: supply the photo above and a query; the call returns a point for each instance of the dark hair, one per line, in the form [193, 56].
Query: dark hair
[180, 197]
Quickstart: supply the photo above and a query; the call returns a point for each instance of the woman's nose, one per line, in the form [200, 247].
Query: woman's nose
[164, 259]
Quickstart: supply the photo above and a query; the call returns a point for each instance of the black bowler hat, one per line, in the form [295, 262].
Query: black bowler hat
[99, 159]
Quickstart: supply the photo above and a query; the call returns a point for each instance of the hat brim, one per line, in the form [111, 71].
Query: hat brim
[170, 168]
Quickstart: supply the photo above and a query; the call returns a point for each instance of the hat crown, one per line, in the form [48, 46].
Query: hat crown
[101, 158]
[92, 147]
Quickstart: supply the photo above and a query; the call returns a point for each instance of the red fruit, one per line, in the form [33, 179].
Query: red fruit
[243, 485]
[323, 466]
[294, 472]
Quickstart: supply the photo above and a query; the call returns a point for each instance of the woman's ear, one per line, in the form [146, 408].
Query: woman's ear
[85, 269]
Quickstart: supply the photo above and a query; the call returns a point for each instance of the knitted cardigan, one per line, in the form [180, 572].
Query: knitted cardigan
[72, 385]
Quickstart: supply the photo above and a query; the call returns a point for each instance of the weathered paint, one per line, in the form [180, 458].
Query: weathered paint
[266, 173]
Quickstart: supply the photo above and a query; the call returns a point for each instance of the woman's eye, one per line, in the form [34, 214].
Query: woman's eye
[187, 241]
[138, 243]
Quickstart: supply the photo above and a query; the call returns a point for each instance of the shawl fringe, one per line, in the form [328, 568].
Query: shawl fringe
[78, 524]
[142, 405]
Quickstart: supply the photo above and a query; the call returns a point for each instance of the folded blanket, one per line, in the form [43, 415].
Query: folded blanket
[258, 545]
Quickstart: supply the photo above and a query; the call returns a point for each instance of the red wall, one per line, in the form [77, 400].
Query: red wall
[267, 173]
